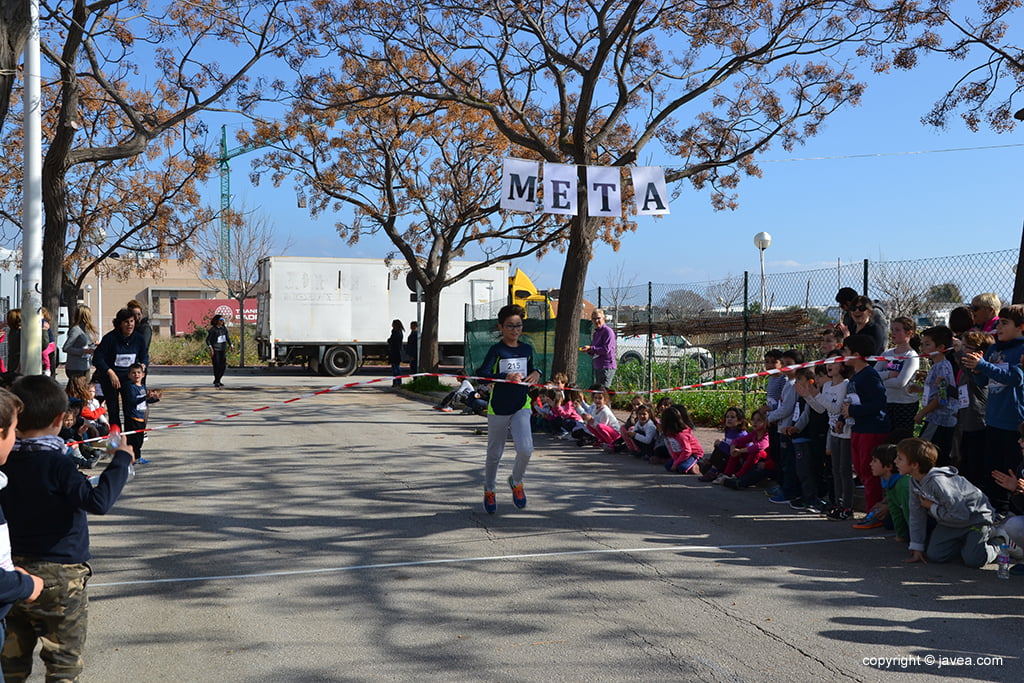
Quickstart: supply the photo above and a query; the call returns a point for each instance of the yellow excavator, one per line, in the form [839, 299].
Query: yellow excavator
[522, 291]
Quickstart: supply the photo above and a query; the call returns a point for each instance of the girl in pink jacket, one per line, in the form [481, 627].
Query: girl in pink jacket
[683, 448]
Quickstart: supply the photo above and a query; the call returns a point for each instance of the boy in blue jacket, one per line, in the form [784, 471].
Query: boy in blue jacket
[46, 503]
[1000, 370]
[15, 583]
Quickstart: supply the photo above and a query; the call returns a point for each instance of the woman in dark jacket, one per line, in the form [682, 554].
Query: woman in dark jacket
[119, 349]
[395, 350]
[218, 340]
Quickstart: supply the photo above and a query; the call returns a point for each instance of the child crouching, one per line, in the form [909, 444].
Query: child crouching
[962, 513]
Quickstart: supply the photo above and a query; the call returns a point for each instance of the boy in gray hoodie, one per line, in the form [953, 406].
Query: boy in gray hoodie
[962, 513]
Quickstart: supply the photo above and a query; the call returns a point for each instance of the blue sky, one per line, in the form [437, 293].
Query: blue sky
[894, 206]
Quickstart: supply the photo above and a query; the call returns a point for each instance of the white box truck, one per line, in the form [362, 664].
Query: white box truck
[333, 312]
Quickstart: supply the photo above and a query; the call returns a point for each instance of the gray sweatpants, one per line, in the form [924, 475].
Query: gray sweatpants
[842, 470]
[498, 428]
[970, 543]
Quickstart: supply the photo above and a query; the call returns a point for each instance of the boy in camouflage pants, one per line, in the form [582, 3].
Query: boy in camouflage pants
[46, 501]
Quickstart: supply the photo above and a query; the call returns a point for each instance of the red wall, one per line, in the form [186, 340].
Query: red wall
[188, 314]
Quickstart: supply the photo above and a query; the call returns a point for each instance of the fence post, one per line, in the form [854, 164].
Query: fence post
[650, 339]
[746, 328]
[599, 297]
[865, 277]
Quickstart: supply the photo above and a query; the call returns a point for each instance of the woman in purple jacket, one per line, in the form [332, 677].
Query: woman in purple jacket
[602, 348]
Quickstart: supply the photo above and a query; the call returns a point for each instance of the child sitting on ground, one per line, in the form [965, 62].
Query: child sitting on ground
[734, 425]
[748, 459]
[627, 426]
[73, 430]
[896, 488]
[641, 437]
[962, 513]
[567, 418]
[684, 450]
[601, 422]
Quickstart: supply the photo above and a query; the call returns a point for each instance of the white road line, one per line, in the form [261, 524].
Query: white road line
[465, 560]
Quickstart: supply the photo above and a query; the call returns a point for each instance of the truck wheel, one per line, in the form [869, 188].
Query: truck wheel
[340, 361]
[631, 358]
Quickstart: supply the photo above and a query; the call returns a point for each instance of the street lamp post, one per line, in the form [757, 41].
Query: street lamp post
[762, 241]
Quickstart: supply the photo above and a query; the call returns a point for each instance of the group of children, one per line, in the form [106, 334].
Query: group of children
[880, 420]
[87, 418]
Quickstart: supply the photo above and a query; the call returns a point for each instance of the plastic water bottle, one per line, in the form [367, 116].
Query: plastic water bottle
[114, 441]
[1003, 562]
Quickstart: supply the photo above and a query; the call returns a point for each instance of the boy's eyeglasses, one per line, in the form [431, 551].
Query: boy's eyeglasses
[860, 308]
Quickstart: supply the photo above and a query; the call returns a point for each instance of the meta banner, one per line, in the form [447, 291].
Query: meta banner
[522, 189]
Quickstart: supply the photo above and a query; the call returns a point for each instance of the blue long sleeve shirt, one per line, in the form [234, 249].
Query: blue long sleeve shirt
[869, 415]
[501, 360]
[1001, 372]
[48, 499]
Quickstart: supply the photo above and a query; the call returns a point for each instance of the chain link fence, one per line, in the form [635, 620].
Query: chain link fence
[925, 290]
[679, 334]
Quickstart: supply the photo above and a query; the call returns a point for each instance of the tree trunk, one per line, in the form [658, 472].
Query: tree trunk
[428, 357]
[55, 165]
[55, 230]
[570, 295]
[14, 29]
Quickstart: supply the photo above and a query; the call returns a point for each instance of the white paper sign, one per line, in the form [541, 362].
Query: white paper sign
[560, 189]
[519, 181]
[510, 365]
[651, 191]
[604, 197]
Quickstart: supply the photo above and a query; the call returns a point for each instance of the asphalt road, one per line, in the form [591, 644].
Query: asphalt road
[341, 538]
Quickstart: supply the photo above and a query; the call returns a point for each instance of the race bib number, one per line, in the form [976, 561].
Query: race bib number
[509, 365]
[962, 396]
[222, 339]
[123, 360]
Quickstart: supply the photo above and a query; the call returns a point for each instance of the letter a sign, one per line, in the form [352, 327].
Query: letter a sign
[650, 190]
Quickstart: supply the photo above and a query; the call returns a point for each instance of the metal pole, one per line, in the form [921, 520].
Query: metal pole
[746, 327]
[764, 286]
[32, 206]
[650, 339]
[865, 277]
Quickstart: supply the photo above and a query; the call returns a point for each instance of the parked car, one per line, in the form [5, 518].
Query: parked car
[669, 348]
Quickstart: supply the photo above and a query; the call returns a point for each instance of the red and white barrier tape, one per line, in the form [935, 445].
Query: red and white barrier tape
[350, 385]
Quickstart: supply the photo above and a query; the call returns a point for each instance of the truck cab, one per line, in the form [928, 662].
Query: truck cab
[666, 349]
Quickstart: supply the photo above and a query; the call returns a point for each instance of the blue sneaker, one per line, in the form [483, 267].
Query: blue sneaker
[518, 494]
[773, 491]
[141, 461]
[490, 502]
[778, 498]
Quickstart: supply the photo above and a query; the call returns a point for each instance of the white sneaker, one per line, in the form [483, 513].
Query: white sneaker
[721, 477]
